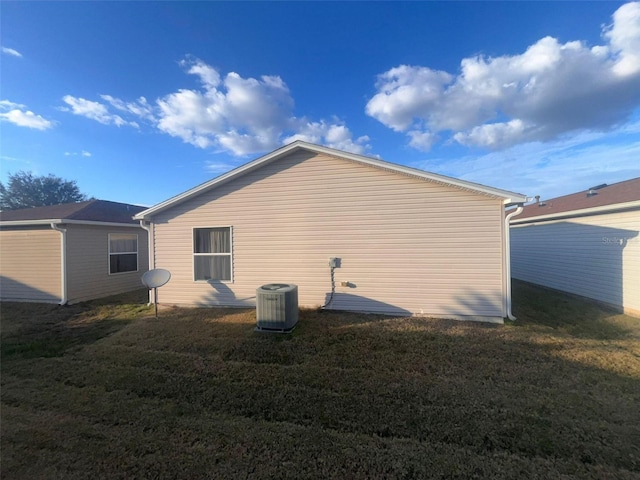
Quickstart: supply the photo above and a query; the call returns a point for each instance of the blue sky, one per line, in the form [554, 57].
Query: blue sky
[140, 101]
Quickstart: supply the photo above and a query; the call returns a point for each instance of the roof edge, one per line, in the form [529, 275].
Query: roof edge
[26, 223]
[507, 196]
[578, 213]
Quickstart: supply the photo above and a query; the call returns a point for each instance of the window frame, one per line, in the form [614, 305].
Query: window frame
[194, 254]
[137, 253]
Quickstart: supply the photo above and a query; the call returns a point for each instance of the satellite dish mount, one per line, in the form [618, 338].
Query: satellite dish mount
[153, 279]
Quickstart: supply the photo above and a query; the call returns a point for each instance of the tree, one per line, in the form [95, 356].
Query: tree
[24, 190]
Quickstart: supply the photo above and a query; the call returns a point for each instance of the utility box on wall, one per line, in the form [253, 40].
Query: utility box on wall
[276, 307]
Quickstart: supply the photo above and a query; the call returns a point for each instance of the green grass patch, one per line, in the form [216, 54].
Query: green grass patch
[106, 390]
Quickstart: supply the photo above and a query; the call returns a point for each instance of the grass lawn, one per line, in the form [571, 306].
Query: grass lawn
[105, 390]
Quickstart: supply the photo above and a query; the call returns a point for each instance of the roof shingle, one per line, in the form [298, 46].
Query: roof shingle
[601, 196]
[89, 211]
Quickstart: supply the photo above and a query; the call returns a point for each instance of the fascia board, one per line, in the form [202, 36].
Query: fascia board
[26, 223]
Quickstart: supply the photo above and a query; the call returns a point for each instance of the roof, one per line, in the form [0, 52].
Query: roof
[600, 198]
[91, 211]
[507, 196]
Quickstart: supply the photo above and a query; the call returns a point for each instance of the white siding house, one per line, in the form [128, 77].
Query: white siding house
[408, 242]
[586, 243]
[72, 252]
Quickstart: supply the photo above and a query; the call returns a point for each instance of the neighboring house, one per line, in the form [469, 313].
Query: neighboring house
[72, 252]
[585, 243]
[407, 241]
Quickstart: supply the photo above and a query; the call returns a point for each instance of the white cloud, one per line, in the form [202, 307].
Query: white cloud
[19, 115]
[241, 115]
[208, 75]
[553, 168]
[219, 167]
[332, 134]
[139, 108]
[6, 105]
[95, 111]
[496, 135]
[422, 140]
[83, 153]
[227, 112]
[548, 90]
[405, 91]
[11, 51]
[624, 38]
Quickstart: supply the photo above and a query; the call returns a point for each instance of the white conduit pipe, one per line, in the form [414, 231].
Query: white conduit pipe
[507, 259]
[151, 247]
[63, 261]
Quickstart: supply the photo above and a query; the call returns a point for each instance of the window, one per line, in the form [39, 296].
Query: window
[212, 253]
[123, 253]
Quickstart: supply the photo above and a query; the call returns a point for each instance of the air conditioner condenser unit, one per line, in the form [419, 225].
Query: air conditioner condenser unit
[276, 307]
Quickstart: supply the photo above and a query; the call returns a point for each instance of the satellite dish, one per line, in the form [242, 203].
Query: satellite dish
[156, 278]
[153, 279]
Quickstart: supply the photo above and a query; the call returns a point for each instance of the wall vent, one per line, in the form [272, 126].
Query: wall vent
[276, 307]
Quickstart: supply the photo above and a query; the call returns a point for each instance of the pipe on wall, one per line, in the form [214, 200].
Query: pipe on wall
[63, 262]
[507, 263]
[151, 249]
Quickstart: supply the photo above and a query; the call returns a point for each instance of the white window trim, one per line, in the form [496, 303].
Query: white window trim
[194, 254]
[137, 252]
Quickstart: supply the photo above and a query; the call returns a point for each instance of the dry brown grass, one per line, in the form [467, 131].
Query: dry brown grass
[108, 391]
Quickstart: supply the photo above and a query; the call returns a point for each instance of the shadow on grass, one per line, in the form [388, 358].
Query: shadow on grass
[55, 342]
[481, 388]
[32, 330]
[197, 391]
[534, 305]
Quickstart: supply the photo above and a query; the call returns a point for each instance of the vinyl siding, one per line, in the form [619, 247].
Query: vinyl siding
[406, 245]
[88, 262]
[30, 264]
[594, 256]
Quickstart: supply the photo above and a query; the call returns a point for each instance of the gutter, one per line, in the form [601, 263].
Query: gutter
[507, 259]
[63, 261]
[20, 223]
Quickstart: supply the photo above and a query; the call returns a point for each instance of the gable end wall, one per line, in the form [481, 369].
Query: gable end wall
[406, 245]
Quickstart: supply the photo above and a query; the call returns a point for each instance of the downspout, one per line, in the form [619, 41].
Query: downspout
[507, 259]
[150, 243]
[151, 247]
[63, 261]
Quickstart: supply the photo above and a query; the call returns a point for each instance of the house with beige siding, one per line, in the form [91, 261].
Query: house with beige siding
[406, 242]
[586, 243]
[71, 252]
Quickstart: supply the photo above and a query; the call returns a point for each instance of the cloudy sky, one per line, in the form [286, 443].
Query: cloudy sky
[139, 101]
